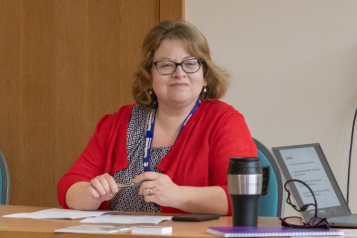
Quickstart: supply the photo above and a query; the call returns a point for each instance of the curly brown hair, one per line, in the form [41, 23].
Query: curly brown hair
[196, 45]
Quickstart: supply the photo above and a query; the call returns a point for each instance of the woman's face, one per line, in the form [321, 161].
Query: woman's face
[179, 88]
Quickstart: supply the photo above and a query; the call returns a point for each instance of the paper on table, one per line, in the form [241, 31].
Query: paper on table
[97, 229]
[55, 213]
[349, 232]
[151, 230]
[126, 219]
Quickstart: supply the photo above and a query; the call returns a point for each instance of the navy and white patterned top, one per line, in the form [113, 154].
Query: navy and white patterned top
[128, 199]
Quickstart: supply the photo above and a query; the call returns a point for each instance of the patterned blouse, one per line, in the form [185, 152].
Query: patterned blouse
[128, 199]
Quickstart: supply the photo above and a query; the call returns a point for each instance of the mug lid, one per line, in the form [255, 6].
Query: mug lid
[245, 159]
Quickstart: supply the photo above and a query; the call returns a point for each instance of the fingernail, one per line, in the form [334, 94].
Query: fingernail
[103, 193]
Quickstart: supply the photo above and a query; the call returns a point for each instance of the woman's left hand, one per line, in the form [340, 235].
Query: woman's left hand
[158, 189]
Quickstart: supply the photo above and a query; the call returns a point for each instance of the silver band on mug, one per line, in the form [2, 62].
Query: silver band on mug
[245, 184]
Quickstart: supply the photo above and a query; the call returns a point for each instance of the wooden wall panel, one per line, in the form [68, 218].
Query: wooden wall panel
[63, 65]
[173, 10]
[11, 64]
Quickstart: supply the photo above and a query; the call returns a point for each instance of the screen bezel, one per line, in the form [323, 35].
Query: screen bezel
[327, 212]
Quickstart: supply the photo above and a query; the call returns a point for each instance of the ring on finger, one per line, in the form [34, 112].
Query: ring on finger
[151, 192]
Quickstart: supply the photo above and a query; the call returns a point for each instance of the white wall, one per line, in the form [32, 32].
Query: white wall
[294, 71]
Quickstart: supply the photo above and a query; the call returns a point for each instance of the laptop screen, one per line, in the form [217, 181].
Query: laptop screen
[308, 164]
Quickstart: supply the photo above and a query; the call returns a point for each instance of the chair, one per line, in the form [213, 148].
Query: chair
[4, 181]
[272, 204]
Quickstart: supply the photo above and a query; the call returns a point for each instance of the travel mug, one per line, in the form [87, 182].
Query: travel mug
[245, 183]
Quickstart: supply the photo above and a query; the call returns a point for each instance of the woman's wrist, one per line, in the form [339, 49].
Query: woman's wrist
[79, 197]
[201, 200]
[178, 197]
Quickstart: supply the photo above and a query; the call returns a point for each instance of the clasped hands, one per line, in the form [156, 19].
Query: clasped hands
[157, 188]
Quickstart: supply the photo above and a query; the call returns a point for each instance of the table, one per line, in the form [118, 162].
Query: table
[35, 228]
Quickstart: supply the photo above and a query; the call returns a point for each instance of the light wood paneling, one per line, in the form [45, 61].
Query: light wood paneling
[11, 77]
[63, 65]
[173, 10]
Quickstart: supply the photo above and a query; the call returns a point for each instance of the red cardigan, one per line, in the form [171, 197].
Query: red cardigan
[199, 157]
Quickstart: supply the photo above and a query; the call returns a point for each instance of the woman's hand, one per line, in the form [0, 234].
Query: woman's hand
[89, 196]
[103, 187]
[159, 189]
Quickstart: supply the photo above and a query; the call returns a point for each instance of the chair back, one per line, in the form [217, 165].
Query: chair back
[272, 204]
[4, 181]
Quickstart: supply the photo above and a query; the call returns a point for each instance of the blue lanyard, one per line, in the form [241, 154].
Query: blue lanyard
[150, 134]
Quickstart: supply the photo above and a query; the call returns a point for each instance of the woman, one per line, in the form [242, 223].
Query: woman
[177, 139]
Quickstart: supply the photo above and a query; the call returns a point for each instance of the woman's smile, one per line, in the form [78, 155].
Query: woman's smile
[179, 85]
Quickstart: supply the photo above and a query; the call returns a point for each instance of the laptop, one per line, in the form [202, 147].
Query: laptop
[308, 164]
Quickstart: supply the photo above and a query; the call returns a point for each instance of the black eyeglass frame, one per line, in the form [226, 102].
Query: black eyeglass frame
[200, 61]
[314, 222]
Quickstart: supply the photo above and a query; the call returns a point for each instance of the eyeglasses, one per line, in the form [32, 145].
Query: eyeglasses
[166, 67]
[298, 222]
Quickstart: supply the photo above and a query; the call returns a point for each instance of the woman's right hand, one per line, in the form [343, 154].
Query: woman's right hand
[103, 187]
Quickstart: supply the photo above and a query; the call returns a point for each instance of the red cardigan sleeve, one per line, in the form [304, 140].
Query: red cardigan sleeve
[97, 157]
[232, 139]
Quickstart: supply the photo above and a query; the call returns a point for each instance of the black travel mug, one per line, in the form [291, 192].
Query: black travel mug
[245, 183]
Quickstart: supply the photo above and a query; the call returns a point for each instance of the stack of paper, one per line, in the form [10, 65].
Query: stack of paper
[94, 229]
[127, 219]
[151, 230]
[55, 213]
